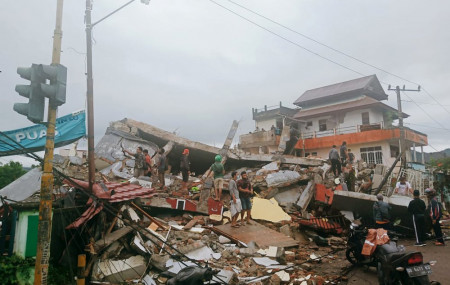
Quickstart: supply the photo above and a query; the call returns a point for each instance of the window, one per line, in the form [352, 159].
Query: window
[322, 125]
[365, 118]
[372, 155]
[395, 151]
[307, 154]
[314, 153]
[308, 124]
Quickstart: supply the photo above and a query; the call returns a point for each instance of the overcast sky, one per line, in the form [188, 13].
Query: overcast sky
[194, 67]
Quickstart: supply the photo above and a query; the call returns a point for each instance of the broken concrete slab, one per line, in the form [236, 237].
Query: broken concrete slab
[258, 233]
[306, 196]
[265, 261]
[117, 271]
[283, 178]
[112, 237]
[285, 196]
[363, 204]
[268, 210]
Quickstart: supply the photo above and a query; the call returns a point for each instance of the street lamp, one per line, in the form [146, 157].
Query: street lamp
[90, 82]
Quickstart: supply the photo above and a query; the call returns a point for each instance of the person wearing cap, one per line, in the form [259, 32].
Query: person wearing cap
[403, 187]
[417, 209]
[218, 170]
[435, 211]
[333, 155]
[381, 213]
[185, 167]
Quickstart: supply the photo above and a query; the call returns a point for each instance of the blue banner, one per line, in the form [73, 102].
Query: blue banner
[68, 129]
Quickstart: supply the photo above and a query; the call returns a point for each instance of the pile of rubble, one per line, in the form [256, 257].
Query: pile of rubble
[152, 236]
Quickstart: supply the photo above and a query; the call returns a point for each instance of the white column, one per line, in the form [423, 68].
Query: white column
[423, 155]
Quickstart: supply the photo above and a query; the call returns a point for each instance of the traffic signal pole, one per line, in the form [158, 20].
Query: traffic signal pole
[45, 206]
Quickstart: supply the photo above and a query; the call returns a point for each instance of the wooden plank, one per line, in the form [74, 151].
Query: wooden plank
[112, 237]
[263, 236]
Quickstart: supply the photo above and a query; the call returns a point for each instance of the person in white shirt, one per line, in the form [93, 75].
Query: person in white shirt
[403, 187]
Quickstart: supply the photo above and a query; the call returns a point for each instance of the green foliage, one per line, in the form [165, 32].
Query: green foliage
[10, 172]
[442, 163]
[10, 266]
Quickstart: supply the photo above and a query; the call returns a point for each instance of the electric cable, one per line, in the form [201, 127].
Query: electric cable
[338, 51]
[106, 205]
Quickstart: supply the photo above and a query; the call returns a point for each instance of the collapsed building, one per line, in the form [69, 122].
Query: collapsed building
[133, 232]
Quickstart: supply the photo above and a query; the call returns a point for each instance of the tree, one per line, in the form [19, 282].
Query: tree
[10, 172]
[442, 163]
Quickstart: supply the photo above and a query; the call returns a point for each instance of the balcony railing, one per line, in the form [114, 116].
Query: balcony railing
[342, 130]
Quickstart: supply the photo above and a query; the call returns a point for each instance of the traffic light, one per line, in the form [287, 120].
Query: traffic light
[34, 109]
[56, 90]
[38, 90]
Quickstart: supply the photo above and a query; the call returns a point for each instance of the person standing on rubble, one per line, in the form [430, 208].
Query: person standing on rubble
[403, 187]
[185, 166]
[161, 168]
[139, 162]
[148, 162]
[344, 153]
[435, 212]
[417, 209]
[381, 213]
[335, 162]
[246, 191]
[235, 202]
[219, 171]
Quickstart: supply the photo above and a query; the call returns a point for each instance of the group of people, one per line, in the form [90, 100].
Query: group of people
[145, 165]
[419, 212]
[340, 158]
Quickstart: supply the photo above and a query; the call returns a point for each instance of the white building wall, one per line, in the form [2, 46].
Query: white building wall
[266, 125]
[350, 121]
[355, 149]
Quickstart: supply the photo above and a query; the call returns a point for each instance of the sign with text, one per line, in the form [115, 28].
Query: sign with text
[69, 128]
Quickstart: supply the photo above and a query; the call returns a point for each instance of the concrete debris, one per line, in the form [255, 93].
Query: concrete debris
[117, 271]
[268, 210]
[299, 212]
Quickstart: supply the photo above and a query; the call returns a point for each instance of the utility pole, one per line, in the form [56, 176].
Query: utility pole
[90, 95]
[45, 205]
[400, 122]
[90, 83]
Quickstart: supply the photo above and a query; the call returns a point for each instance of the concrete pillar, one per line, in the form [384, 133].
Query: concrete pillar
[415, 153]
[423, 155]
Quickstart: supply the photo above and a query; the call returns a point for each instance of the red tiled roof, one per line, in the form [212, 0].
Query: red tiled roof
[117, 192]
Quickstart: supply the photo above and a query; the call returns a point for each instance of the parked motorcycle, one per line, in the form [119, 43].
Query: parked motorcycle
[394, 264]
[193, 275]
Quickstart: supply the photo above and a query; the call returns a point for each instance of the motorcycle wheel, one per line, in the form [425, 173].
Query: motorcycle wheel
[352, 256]
[380, 274]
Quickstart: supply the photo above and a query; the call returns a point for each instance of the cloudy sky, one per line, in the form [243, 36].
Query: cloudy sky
[194, 66]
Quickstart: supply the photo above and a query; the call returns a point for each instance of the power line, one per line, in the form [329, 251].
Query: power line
[426, 126]
[424, 103]
[288, 40]
[420, 107]
[335, 50]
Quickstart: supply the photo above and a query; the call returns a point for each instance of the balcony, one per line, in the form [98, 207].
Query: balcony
[358, 134]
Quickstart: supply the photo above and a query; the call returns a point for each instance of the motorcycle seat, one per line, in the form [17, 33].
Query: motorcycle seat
[392, 257]
[388, 248]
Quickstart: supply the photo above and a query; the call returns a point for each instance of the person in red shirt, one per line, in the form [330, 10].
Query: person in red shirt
[148, 163]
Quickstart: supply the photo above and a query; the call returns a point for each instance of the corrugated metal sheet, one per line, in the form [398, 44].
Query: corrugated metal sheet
[342, 87]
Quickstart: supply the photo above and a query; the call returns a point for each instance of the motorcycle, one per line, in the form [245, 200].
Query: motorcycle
[394, 264]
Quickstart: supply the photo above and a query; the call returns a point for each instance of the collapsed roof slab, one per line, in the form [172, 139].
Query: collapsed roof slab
[201, 155]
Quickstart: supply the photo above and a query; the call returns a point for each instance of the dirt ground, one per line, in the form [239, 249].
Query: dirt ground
[441, 254]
